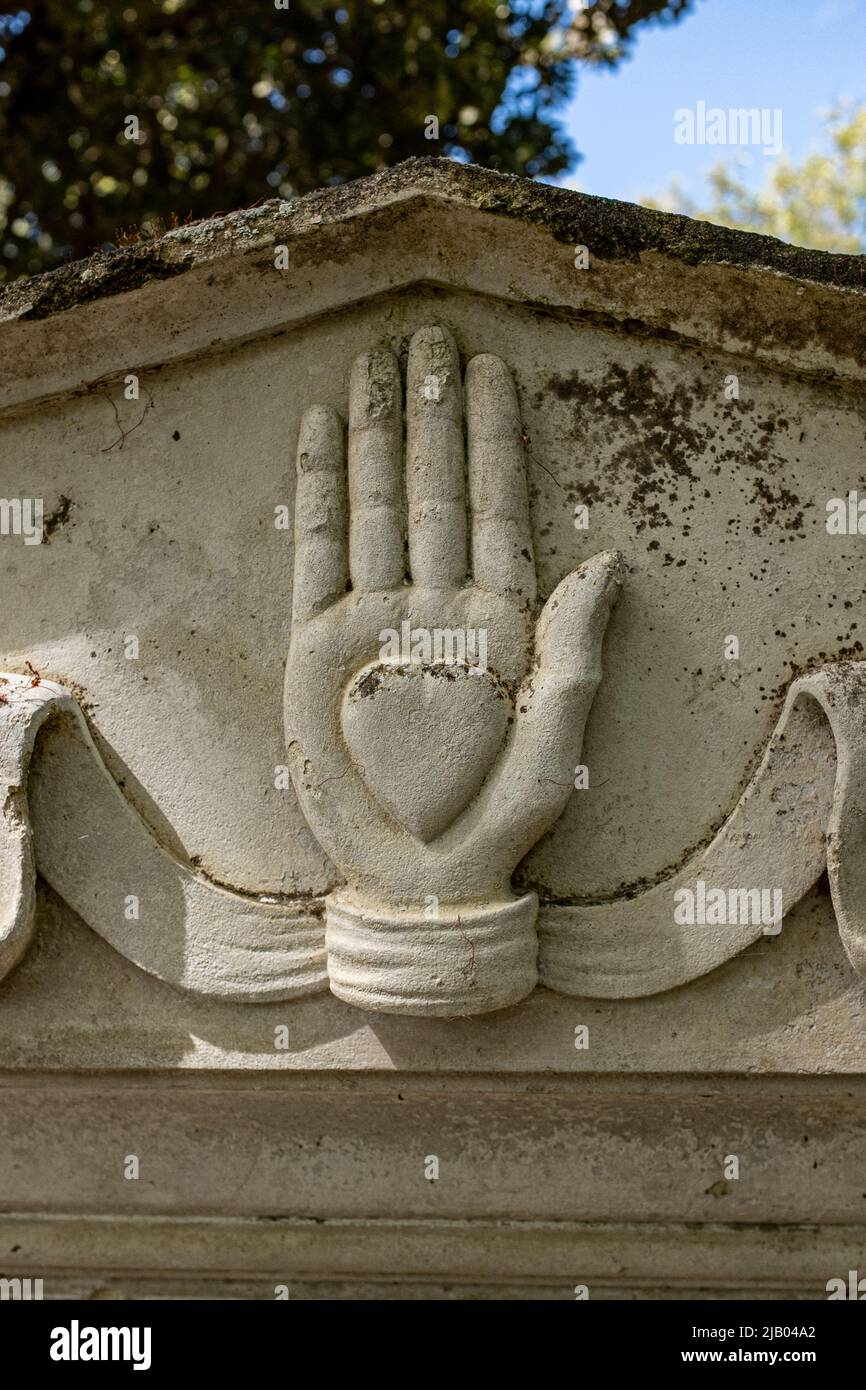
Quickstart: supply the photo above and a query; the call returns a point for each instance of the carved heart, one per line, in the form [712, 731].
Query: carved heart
[424, 739]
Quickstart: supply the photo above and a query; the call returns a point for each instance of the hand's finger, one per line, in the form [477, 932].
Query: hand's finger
[502, 558]
[435, 484]
[320, 514]
[376, 548]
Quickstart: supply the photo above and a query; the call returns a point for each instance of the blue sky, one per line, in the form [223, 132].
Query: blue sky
[799, 55]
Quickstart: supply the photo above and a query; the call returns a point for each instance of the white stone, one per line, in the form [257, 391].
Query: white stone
[194, 909]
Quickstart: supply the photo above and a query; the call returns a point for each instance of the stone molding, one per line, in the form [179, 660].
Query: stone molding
[81, 1256]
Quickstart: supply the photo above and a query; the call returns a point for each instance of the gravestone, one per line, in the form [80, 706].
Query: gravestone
[432, 744]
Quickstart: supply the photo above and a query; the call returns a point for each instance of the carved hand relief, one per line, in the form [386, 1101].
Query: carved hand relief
[433, 726]
[434, 716]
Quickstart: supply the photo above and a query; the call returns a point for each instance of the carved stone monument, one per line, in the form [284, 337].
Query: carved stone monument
[433, 755]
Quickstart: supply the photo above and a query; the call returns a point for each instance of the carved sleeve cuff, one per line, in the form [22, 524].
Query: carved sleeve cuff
[444, 961]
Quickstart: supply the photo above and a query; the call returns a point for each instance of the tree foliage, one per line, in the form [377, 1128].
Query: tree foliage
[819, 203]
[247, 99]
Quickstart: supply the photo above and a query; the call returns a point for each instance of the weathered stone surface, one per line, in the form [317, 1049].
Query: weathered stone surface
[701, 393]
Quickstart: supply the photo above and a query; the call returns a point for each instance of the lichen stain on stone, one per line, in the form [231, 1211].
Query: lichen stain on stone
[719, 1189]
[657, 443]
[97, 277]
[653, 437]
[57, 519]
[367, 685]
[777, 507]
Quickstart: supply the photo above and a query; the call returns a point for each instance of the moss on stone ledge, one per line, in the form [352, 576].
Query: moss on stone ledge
[612, 230]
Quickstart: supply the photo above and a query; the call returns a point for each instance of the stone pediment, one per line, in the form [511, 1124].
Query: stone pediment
[157, 396]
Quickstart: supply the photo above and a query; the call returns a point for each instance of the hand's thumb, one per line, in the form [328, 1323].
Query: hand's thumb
[572, 624]
[536, 776]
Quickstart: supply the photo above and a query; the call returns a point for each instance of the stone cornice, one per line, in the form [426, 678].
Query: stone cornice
[431, 221]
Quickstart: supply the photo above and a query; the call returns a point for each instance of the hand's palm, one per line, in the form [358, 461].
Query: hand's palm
[348, 763]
